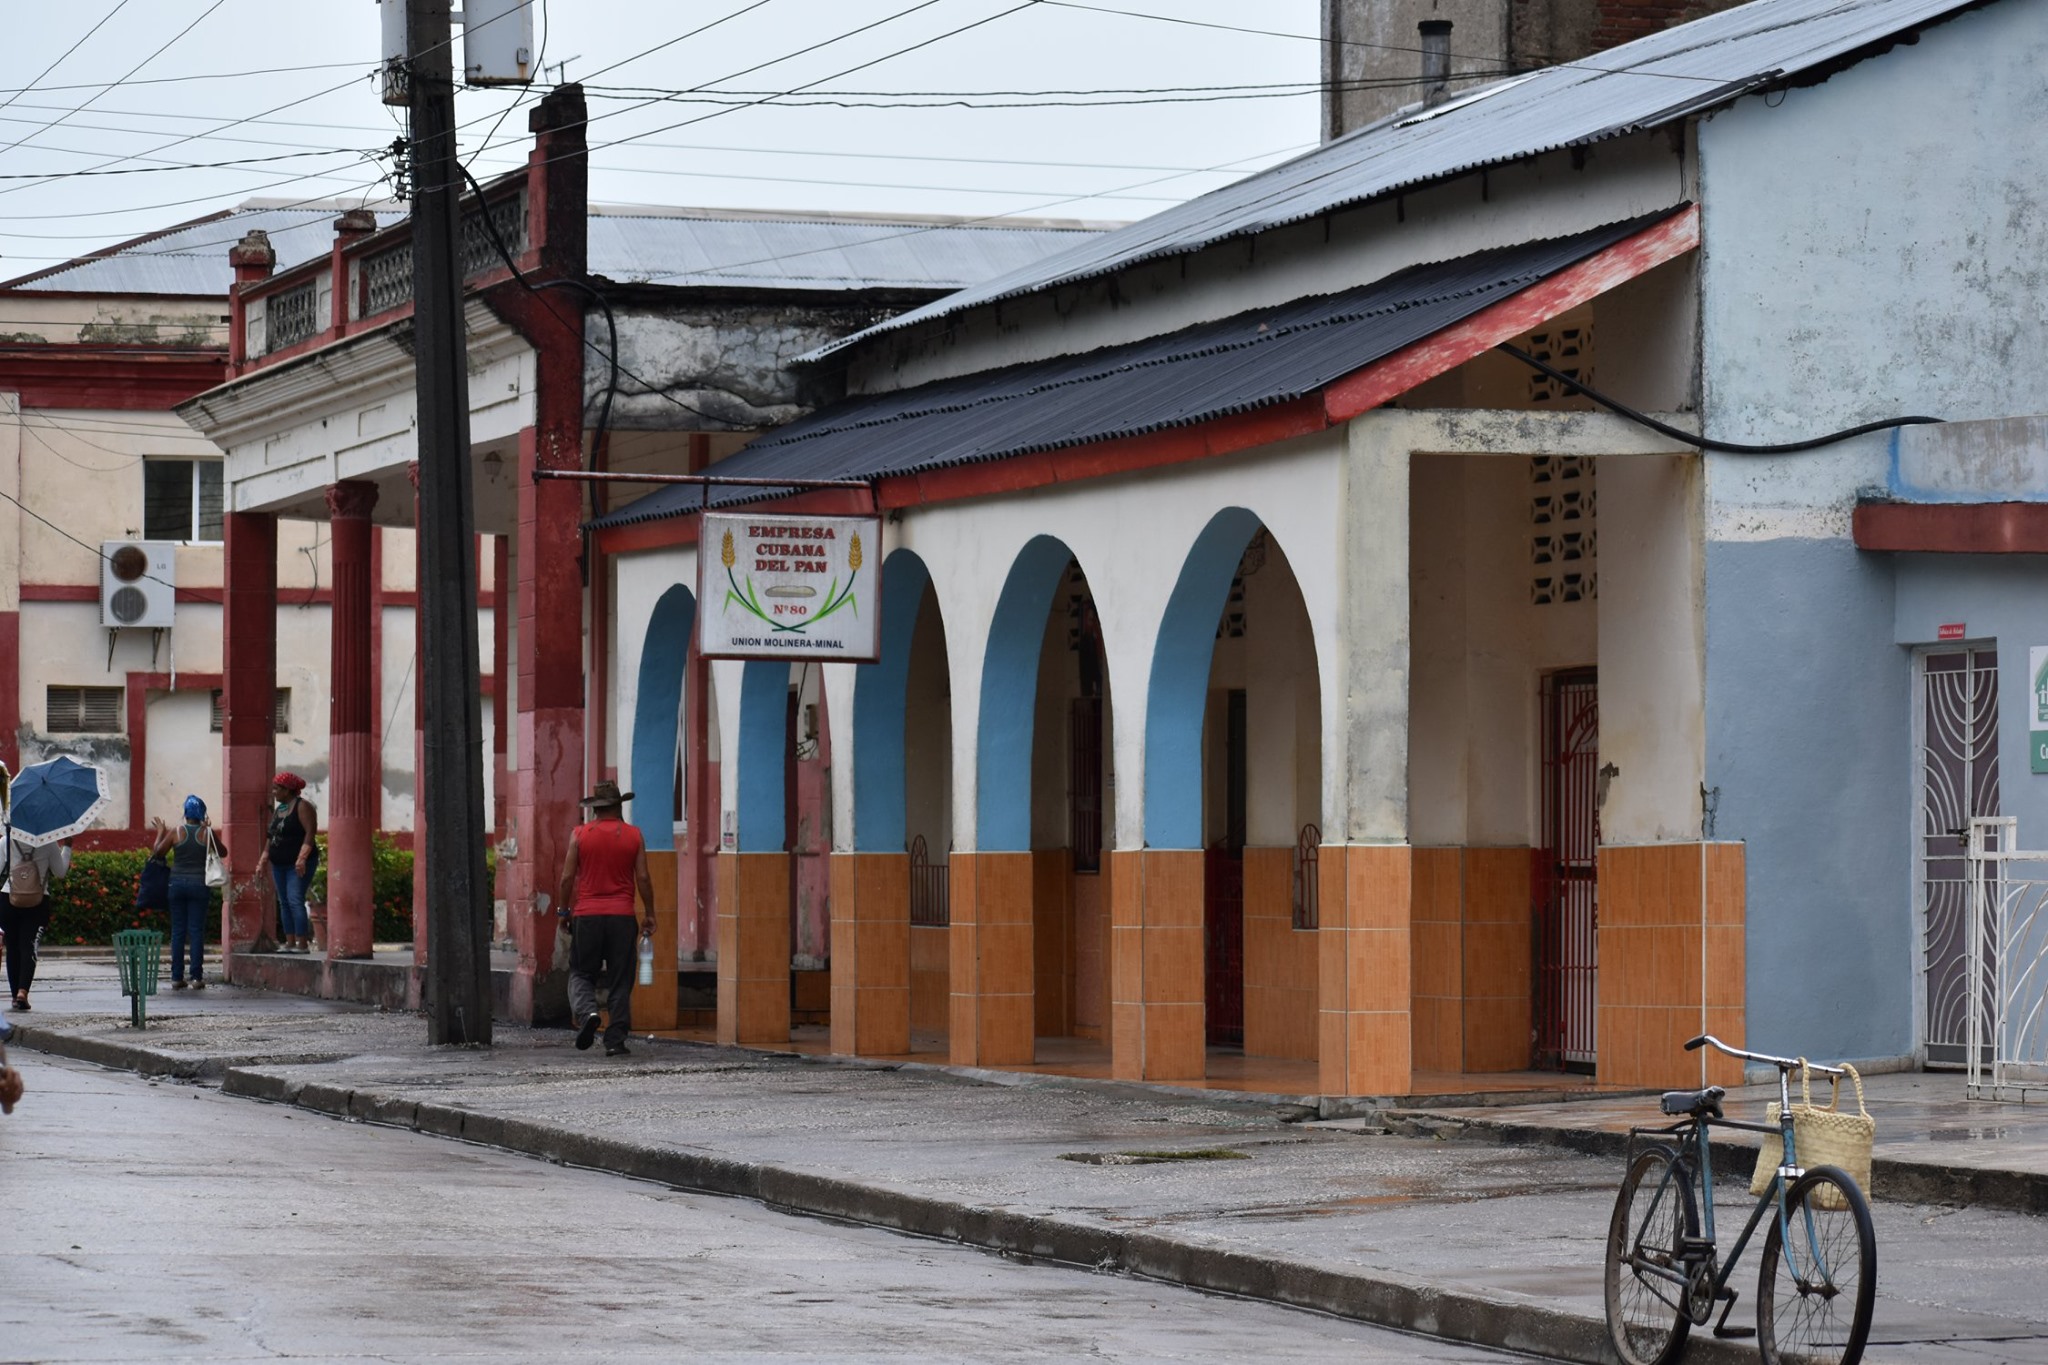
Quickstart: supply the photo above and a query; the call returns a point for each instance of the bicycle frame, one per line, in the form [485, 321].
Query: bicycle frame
[1694, 1140]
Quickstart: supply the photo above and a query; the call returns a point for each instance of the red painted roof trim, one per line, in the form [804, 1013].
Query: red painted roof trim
[1953, 528]
[106, 377]
[1338, 402]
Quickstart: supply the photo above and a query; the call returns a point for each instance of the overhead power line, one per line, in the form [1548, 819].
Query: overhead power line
[163, 48]
[190, 165]
[837, 99]
[211, 77]
[104, 21]
[837, 75]
[1347, 42]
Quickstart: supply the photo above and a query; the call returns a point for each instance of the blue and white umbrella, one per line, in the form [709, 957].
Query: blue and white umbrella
[54, 800]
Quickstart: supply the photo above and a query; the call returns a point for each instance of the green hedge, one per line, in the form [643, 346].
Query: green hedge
[390, 888]
[97, 899]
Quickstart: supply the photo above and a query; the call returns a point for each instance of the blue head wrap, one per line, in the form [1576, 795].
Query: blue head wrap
[195, 809]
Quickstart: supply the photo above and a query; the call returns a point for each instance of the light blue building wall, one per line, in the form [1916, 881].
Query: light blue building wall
[1873, 245]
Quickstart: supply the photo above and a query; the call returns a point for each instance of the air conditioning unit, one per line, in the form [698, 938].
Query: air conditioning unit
[138, 584]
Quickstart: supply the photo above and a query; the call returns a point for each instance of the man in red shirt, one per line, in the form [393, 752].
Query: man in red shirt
[607, 863]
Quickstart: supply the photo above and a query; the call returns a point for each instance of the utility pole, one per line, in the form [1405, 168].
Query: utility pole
[451, 820]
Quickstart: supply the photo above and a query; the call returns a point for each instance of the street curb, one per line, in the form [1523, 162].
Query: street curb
[1891, 1180]
[121, 1055]
[1376, 1298]
[1383, 1300]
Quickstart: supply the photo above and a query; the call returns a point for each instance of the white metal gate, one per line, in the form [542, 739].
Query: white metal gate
[2008, 1042]
[1958, 725]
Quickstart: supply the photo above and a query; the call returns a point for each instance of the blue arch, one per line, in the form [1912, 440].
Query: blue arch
[1179, 687]
[663, 656]
[764, 735]
[880, 698]
[1009, 697]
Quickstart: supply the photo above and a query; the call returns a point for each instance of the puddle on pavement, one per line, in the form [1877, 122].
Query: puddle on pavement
[1967, 1134]
[1154, 1158]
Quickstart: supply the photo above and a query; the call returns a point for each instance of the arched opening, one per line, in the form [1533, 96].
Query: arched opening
[1039, 939]
[1233, 768]
[778, 906]
[895, 900]
[1261, 802]
[928, 825]
[659, 771]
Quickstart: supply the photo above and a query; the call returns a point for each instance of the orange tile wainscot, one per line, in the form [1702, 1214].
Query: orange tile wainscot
[1671, 962]
[753, 948]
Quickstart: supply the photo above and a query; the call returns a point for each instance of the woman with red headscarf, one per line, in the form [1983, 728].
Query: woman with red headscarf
[293, 856]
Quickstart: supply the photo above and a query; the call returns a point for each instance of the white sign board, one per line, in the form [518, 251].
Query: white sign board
[771, 586]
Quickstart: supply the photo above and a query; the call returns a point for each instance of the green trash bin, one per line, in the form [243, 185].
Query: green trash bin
[139, 953]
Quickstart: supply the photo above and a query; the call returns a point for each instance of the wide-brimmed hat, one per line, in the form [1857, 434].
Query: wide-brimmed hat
[606, 794]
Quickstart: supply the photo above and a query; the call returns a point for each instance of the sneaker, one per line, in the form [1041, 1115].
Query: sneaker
[178, 984]
[198, 983]
[617, 1050]
[587, 1033]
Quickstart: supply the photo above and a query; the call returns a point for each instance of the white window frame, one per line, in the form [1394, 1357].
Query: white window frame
[195, 520]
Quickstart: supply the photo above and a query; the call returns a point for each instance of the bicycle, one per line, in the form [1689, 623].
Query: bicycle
[1817, 1278]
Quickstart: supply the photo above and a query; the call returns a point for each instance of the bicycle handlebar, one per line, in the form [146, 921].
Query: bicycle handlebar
[1782, 1063]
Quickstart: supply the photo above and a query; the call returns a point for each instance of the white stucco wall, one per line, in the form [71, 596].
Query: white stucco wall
[1481, 650]
[1131, 536]
[1544, 197]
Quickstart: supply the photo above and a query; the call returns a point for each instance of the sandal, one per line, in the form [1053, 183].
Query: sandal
[21, 1000]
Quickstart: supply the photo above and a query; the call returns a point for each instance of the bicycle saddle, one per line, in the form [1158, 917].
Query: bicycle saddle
[1698, 1103]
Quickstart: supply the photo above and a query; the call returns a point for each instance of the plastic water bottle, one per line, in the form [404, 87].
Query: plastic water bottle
[647, 959]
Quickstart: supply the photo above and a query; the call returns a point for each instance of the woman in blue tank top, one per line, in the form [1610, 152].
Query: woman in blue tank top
[189, 894]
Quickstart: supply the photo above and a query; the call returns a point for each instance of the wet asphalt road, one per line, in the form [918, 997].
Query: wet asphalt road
[149, 1221]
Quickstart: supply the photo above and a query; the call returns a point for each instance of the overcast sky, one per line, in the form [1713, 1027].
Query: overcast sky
[149, 87]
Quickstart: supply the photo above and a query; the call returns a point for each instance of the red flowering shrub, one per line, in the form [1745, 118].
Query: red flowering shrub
[97, 900]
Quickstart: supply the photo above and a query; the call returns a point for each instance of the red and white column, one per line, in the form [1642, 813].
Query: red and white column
[248, 727]
[354, 767]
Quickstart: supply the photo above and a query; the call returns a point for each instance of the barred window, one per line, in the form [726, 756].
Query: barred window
[281, 720]
[83, 710]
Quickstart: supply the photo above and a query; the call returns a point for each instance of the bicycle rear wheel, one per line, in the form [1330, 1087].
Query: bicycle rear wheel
[1646, 1317]
[1814, 1296]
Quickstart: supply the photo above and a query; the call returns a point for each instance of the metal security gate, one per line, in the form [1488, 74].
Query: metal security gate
[1958, 724]
[1567, 891]
[2007, 1046]
[1223, 889]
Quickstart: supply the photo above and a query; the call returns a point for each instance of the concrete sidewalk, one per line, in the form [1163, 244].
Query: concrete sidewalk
[1496, 1242]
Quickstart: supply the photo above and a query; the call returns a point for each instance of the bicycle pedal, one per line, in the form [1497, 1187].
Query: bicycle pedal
[1729, 1295]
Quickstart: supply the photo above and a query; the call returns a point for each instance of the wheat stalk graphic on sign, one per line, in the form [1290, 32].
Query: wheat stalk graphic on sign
[749, 600]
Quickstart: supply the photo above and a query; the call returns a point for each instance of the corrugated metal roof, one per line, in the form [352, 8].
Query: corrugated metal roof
[191, 260]
[1643, 84]
[751, 251]
[1254, 360]
[677, 248]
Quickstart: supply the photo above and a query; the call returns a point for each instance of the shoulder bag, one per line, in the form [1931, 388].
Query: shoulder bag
[216, 870]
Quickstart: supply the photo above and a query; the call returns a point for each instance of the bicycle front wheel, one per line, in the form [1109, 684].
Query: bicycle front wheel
[1655, 1211]
[1818, 1280]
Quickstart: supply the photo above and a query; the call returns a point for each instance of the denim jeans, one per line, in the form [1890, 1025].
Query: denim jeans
[189, 901]
[291, 901]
